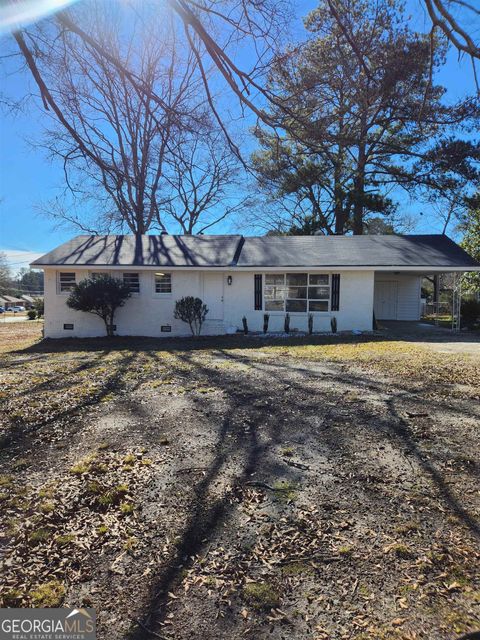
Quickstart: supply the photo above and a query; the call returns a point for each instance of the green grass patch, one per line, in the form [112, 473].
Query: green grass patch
[50, 594]
[65, 539]
[262, 595]
[285, 491]
[39, 535]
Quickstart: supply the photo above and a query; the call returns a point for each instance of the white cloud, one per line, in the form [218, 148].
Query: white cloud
[17, 258]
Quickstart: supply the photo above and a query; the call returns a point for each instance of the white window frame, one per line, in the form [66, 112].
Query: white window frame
[60, 291]
[285, 287]
[131, 273]
[162, 294]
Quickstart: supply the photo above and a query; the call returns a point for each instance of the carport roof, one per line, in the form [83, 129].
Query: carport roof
[201, 251]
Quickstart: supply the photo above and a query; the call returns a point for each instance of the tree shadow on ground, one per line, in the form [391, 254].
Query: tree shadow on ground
[208, 514]
[236, 341]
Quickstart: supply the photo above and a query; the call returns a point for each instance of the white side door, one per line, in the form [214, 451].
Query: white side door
[385, 301]
[213, 294]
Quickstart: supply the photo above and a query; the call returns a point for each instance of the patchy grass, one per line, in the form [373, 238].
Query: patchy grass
[50, 594]
[263, 595]
[285, 491]
[394, 357]
[264, 488]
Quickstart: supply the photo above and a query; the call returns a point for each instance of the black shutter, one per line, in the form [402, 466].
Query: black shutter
[335, 299]
[258, 291]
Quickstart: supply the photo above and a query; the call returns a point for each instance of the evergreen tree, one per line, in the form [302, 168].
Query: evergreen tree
[471, 242]
[363, 115]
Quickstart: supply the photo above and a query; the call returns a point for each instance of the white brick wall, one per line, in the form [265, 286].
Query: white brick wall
[144, 313]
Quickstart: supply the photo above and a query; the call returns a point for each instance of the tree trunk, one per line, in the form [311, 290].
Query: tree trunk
[359, 182]
[339, 206]
[109, 325]
[358, 205]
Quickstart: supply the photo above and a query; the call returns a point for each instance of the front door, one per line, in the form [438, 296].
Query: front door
[385, 303]
[213, 295]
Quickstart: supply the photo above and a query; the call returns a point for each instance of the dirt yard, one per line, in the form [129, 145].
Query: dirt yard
[238, 488]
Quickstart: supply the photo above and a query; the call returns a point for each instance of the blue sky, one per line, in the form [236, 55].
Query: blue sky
[28, 178]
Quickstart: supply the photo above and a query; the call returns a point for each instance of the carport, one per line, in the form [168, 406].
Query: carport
[397, 295]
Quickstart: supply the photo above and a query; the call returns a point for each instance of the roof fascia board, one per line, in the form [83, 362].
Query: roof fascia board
[302, 268]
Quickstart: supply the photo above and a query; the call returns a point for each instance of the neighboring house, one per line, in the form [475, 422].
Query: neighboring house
[12, 301]
[29, 301]
[348, 277]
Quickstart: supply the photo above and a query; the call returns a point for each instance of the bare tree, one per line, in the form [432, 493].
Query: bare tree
[113, 141]
[210, 30]
[203, 183]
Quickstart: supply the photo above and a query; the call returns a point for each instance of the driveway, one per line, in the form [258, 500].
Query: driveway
[4, 318]
[439, 339]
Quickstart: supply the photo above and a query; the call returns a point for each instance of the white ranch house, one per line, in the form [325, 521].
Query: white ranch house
[348, 277]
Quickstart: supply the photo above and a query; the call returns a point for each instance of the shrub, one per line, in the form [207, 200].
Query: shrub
[266, 318]
[333, 324]
[101, 295]
[286, 324]
[192, 311]
[310, 323]
[470, 313]
[31, 314]
[245, 325]
[39, 307]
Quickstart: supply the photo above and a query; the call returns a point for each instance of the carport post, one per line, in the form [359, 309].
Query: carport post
[436, 295]
[456, 302]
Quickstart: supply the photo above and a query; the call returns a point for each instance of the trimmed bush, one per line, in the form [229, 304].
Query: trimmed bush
[286, 324]
[101, 295]
[192, 311]
[310, 323]
[333, 324]
[266, 318]
[245, 325]
[31, 314]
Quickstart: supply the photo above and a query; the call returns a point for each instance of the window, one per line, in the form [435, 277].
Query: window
[133, 281]
[96, 274]
[297, 292]
[274, 292]
[163, 283]
[66, 281]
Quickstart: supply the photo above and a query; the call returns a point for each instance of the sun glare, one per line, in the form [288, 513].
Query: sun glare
[20, 14]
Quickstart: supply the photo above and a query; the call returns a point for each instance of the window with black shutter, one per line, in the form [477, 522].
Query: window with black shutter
[258, 291]
[335, 299]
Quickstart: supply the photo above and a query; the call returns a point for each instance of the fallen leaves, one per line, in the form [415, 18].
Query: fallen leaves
[87, 513]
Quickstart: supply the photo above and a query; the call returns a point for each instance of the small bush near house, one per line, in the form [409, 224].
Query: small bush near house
[286, 324]
[39, 306]
[470, 313]
[245, 325]
[266, 318]
[192, 311]
[102, 296]
[333, 324]
[31, 314]
[310, 323]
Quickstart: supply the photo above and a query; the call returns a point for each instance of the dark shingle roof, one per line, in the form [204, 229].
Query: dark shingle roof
[147, 251]
[268, 251]
[354, 251]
